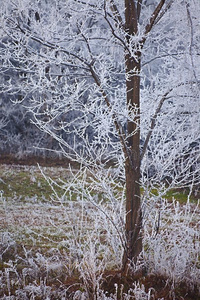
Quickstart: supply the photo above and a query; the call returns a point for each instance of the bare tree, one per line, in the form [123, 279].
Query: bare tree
[85, 66]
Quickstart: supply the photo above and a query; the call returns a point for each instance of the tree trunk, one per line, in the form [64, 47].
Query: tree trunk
[132, 167]
[132, 170]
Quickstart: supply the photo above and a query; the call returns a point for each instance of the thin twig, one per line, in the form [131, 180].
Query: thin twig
[158, 109]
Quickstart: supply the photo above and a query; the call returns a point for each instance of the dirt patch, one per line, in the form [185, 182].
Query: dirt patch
[33, 161]
[158, 287]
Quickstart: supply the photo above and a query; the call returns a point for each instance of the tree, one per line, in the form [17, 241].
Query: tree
[85, 66]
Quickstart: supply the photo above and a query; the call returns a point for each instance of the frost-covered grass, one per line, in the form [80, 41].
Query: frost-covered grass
[71, 246]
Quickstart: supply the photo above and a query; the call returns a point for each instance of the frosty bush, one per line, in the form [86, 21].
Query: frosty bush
[71, 246]
[173, 250]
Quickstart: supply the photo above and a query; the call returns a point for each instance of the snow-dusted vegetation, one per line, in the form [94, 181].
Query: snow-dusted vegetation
[58, 244]
[113, 88]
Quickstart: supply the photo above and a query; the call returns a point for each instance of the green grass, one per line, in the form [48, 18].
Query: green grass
[22, 183]
[180, 195]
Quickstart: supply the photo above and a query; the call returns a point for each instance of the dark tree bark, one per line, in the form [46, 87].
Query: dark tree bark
[132, 167]
[133, 160]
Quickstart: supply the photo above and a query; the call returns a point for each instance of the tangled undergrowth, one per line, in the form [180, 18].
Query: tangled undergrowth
[70, 246]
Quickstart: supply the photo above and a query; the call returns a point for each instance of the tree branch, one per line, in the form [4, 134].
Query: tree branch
[154, 17]
[115, 10]
[139, 5]
[113, 30]
[191, 40]
[153, 123]
[161, 56]
[164, 11]
[120, 131]
[52, 45]
[158, 109]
